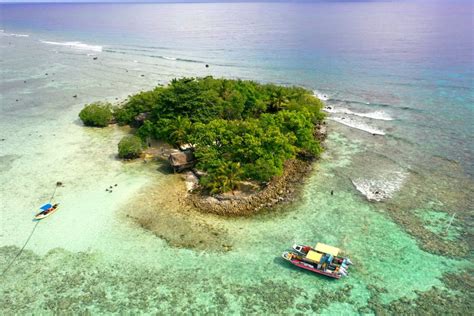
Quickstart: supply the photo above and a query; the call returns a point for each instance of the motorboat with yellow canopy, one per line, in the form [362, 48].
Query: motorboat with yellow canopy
[322, 259]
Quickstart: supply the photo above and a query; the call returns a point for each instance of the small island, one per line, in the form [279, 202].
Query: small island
[247, 145]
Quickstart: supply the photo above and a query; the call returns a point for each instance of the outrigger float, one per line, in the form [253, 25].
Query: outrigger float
[323, 259]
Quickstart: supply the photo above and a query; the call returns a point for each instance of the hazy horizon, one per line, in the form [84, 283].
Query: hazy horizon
[179, 1]
[159, 1]
[195, 1]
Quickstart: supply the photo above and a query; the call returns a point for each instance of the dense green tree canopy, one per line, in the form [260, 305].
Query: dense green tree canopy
[240, 130]
[96, 114]
[130, 147]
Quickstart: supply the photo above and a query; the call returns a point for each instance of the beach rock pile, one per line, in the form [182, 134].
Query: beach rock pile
[280, 189]
[191, 181]
[321, 132]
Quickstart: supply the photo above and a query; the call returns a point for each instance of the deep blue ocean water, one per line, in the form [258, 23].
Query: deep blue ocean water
[413, 60]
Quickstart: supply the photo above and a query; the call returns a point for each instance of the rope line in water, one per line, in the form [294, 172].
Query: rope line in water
[54, 192]
[21, 250]
[29, 237]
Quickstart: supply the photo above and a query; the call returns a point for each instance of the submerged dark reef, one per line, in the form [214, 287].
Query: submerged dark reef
[82, 282]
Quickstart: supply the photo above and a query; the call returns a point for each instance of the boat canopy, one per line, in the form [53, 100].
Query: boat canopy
[327, 249]
[46, 207]
[314, 256]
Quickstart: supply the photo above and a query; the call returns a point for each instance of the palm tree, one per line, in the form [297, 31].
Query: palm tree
[229, 175]
[277, 99]
[182, 127]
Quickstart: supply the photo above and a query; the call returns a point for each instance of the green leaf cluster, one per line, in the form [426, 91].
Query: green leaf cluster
[142, 102]
[96, 114]
[239, 129]
[130, 147]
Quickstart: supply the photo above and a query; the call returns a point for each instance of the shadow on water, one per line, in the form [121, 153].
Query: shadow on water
[114, 157]
[165, 169]
[78, 122]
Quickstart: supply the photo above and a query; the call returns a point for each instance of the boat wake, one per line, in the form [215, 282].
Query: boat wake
[75, 45]
[376, 115]
[380, 189]
[358, 125]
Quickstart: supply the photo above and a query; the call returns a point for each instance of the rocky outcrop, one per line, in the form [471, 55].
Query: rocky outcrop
[280, 189]
[191, 181]
[320, 132]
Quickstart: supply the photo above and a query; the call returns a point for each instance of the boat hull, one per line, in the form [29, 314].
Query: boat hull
[310, 267]
[44, 214]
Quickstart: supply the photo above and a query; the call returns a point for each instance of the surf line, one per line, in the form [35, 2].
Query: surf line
[58, 184]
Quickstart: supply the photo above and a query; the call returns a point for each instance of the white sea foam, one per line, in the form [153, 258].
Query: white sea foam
[358, 125]
[76, 45]
[2, 32]
[168, 58]
[376, 115]
[321, 96]
[380, 189]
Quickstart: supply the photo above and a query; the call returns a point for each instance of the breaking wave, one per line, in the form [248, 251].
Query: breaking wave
[320, 96]
[176, 59]
[376, 115]
[108, 50]
[375, 104]
[2, 32]
[346, 101]
[380, 189]
[142, 49]
[75, 45]
[358, 125]
[169, 58]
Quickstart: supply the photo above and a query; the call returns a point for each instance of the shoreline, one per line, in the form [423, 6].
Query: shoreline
[281, 189]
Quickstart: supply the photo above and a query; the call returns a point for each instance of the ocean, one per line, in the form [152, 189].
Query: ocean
[397, 81]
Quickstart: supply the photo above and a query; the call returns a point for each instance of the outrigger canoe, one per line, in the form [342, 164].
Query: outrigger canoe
[47, 210]
[322, 259]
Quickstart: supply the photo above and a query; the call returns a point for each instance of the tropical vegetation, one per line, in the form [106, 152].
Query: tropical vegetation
[130, 147]
[96, 114]
[239, 130]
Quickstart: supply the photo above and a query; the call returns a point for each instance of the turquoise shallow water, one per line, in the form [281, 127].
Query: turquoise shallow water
[132, 269]
[385, 77]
